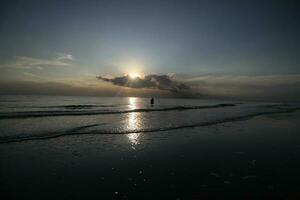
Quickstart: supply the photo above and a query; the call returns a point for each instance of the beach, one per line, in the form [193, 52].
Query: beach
[251, 158]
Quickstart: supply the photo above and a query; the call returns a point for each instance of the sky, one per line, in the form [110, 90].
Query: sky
[232, 49]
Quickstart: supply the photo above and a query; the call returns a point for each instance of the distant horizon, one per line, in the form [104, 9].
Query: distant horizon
[158, 97]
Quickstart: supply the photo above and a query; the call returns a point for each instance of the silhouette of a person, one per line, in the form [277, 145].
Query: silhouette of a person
[152, 101]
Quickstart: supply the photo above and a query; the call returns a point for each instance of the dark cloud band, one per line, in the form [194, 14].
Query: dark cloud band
[162, 82]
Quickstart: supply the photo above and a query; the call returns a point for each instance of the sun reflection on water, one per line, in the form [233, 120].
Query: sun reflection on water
[133, 122]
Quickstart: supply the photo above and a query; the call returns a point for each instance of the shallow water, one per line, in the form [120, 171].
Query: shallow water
[251, 159]
[122, 148]
[42, 117]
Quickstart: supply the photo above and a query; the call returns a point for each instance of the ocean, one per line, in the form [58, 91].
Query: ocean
[61, 147]
[42, 117]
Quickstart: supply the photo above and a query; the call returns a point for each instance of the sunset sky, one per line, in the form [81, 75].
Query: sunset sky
[248, 49]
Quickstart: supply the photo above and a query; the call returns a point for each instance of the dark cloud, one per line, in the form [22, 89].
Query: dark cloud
[267, 87]
[272, 87]
[161, 82]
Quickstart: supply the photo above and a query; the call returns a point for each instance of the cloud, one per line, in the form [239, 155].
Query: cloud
[260, 87]
[269, 87]
[65, 57]
[68, 87]
[25, 62]
[154, 81]
[235, 87]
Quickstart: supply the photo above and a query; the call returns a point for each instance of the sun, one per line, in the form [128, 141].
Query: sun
[134, 75]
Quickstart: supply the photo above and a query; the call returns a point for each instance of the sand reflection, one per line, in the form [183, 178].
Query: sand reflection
[133, 122]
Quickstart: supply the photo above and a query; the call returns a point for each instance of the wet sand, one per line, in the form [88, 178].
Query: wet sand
[253, 159]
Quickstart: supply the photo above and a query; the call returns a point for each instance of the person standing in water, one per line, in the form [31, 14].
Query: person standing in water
[152, 101]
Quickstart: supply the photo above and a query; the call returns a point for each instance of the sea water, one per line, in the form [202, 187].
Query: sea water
[42, 117]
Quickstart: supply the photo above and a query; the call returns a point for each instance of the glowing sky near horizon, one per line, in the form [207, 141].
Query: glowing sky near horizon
[67, 40]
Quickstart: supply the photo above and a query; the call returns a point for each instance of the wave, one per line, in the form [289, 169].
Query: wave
[31, 114]
[84, 106]
[80, 130]
[70, 107]
[73, 131]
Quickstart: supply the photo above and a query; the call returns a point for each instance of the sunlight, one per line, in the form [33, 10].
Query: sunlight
[133, 122]
[132, 102]
[134, 75]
